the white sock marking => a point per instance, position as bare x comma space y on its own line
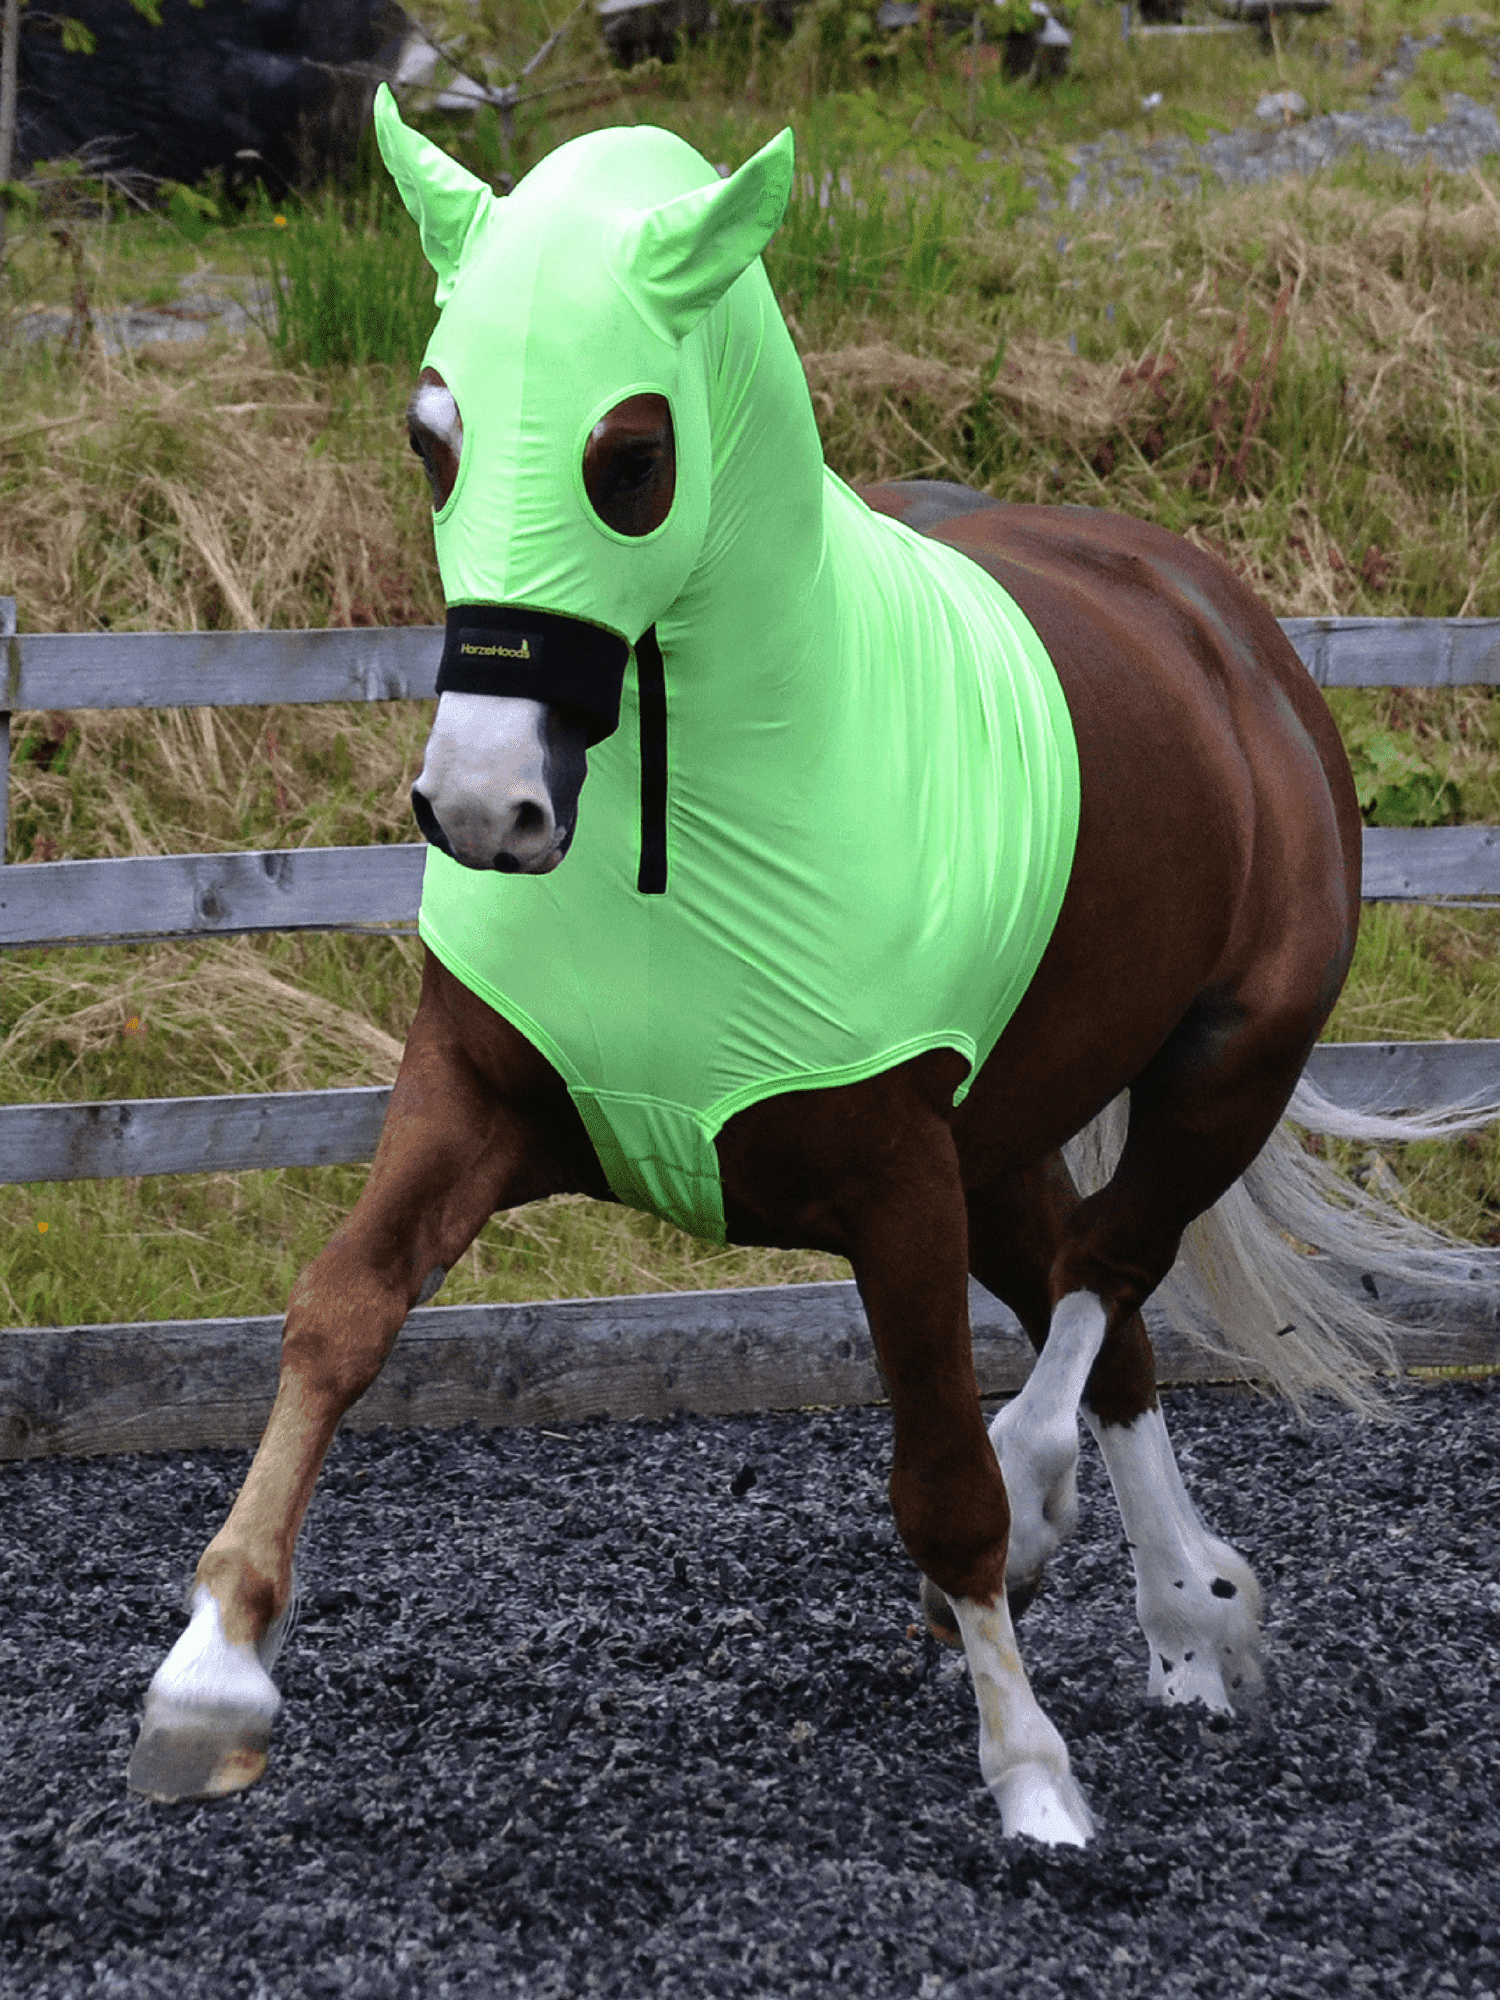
1197, 1599
1036, 1438
1022, 1757
205, 1671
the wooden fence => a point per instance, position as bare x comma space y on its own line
376, 889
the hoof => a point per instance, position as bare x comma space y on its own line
196, 1753
209, 1711
1201, 1622
1023, 1593
1043, 1803
1233, 1684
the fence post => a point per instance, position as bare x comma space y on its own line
7, 631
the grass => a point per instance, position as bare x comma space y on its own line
349, 285
1306, 382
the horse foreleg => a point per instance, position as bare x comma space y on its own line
452, 1149
908, 1245
1015, 1226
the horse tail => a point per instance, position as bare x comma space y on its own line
1289, 1278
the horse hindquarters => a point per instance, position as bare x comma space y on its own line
477, 1121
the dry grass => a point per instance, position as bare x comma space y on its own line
100, 781
1312, 388
196, 487
218, 1012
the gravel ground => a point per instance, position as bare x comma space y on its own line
643, 1709
1120, 167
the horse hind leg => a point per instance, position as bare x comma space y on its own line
1198, 1117
1196, 1598
1034, 1240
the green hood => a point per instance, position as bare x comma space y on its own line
873, 784
538, 346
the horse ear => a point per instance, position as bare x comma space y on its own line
444, 199
683, 257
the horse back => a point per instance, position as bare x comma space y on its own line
1152, 635
1219, 830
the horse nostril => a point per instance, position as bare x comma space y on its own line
427, 821
528, 820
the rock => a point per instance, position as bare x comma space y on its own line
281, 86
1280, 107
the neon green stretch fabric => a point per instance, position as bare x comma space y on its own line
873, 783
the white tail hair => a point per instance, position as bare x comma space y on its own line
1247, 1287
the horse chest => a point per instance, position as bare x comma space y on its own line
866, 867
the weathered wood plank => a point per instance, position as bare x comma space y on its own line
143, 897
1396, 1077
219, 669
319, 1128
210, 895
1431, 864
232, 669
1398, 652
189, 1135
189, 1383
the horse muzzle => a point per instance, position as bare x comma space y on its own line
522, 694
527, 841
499, 783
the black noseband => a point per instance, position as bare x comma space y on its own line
569, 664
564, 662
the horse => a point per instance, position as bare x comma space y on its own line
828, 870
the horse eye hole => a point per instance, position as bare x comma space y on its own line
630, 465
434, 431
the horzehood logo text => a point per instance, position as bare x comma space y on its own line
505, 646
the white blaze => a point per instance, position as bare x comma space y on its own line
485, 777
433, 406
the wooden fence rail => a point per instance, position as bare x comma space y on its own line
374, 889
377, 888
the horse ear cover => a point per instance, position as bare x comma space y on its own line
447, 202
684, 256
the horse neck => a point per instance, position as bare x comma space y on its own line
754, 599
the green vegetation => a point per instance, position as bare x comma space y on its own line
348, 285
1307, 382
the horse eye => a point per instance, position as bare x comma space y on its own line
631, 470
630, 465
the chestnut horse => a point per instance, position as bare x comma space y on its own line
1212, 893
